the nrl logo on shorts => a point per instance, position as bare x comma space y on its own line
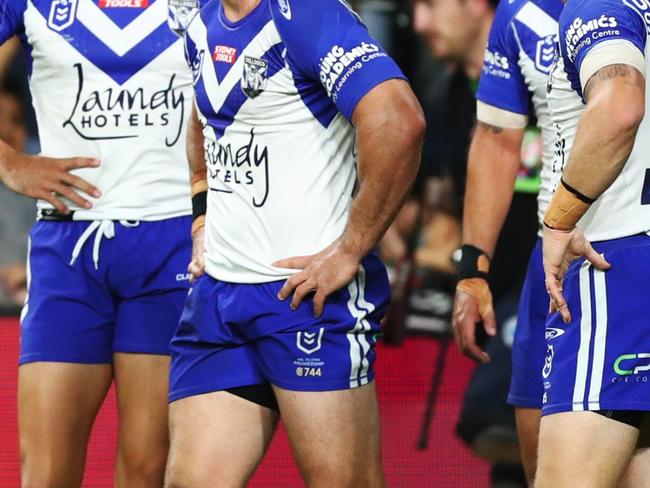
545, 55
181, 14
310, 342
62, 14
254, 79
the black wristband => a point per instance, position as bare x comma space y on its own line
468, 267
580, 196
199, 204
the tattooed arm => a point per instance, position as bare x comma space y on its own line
615, 98
494, 158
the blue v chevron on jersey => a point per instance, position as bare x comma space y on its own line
277, 104
110, 37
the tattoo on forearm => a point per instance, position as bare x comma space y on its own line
611, 72
492, 128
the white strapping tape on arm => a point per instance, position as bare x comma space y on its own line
489, 114
609, 53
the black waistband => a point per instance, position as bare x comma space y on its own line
53, 215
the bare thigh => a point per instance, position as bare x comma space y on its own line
528, 431
335, 436
217, 440
57, 405
142, 382
583, 450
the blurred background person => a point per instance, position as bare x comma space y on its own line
456, 31
16, 212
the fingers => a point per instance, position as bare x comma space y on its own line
69, 164
490, 323
72, 195
465, 317
319, 303
54, 201
196, 268
290, 285
554, 287
300, 293
296, 262
598, 260
81, 184
468, 344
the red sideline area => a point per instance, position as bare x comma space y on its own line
404, 375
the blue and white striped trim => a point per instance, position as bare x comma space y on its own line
23, 312
360, 308
596, 323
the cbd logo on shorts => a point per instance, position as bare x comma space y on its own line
62, 14
309, 342
253, 81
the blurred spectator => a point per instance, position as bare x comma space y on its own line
456, 32
16, 212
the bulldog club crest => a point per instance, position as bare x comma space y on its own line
254, 78
181, 14
62, 14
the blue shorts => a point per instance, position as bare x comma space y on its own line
601, 360
124, 292
529, 347
234, 335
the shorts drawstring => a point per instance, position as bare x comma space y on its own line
101, 229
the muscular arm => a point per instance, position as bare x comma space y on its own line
605, 137
494, 158
390, 128
7, 52
615, 98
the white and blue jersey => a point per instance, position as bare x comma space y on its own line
599, 361
594, 35
518, 59
108, 80
276, 92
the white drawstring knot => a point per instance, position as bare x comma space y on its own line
101, 229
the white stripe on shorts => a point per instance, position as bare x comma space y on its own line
23, 312
582, 364
359, 346
600, 340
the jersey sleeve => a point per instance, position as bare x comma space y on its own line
502, 86
11, 18
599, 34
328, 43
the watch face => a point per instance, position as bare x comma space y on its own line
181, 13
